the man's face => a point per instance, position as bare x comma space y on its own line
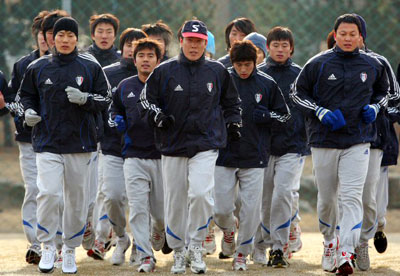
49, 38
280, 50
347, 37
146, 61
193, 47
104, 36
127, 51
160, 40
244, 68
235, 35
260, 56
41, 42
65, 42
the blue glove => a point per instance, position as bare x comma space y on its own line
119, 120
340, 122
127, 140
261, 115
370, 111
325, 116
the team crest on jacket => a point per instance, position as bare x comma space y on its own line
210, 86
258, 97
363, 76
79, 80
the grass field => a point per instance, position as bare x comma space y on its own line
305, 262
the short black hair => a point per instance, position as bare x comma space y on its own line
243, 24
243, 51
50, 19
347, 18
147, 43
107, 18
129, 35
159, 29
280, 33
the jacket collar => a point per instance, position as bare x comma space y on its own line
65, 58
249, 78
128, 64
272, 63
102, 52
182, 59
342, 53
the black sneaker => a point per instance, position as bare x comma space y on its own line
380, 241
33, 255
166, 249
223, 256
278, 260
270, 258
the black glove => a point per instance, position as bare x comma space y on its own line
163, 121
234, 131
261, 115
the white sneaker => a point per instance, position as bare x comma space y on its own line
147, 264
88, 237
157, 239
228, 245
295, 243
239, 262
33, 254
179, 266
259, 256
58, 262
329, 256
46, 264
197, 264
209, 246
362, 260
134, 258
118, 256
68, 260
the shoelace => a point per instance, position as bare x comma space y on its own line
156, 236
363, 252
329, 250
147, 260
47, 254
69, 257
179, 259
197, 254
99, 246
228, 237
241, 259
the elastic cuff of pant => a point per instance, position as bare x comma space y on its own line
49, 243
196, 243
180, 249
277, 246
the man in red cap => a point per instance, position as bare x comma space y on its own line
193, 106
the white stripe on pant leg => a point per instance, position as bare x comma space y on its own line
157, 196
250, 190
224, 192
137, 177
76, 186
369, 196
353, 167
201, 170
27, 161
287, 168
325, 163
114, 193
382, 196
50, 184
263, 235
175, 183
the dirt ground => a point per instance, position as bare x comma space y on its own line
305, 262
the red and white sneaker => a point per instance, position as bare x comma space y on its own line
228, 245
209, 246
58, 262
346, 264
88, 237
239, 262
97, 252
329, 256
295, 243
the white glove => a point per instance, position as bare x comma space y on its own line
76, 96
31, 117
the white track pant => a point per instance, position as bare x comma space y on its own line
369, 196
382, 196
114, 192
296, 197
144, 188
280, 180
250, 191
341, 171
27, 162
93, 188
188, 182
64, 175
